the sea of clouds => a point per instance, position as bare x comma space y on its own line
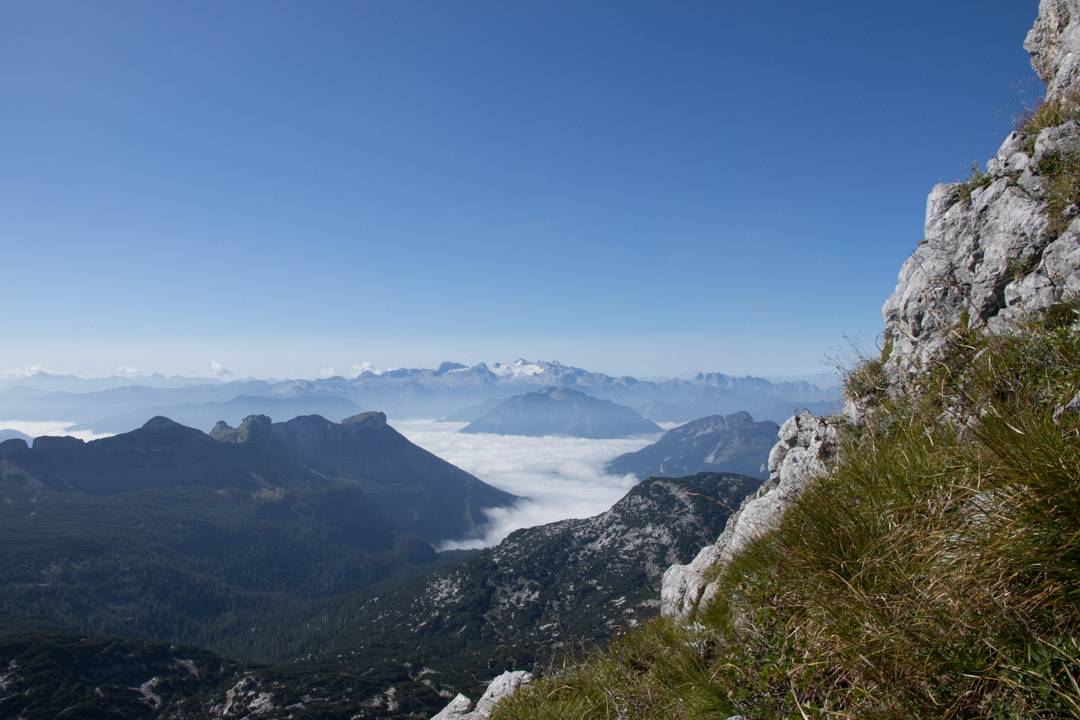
562, 477
37, 428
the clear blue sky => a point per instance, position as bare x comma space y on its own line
640, 187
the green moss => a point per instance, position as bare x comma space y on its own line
932, 573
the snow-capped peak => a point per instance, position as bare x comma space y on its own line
520, 368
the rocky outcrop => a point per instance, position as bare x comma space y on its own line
1053, 44
996, 249
988, 260
499, 688
806, 446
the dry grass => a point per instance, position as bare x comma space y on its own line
1047, 114
1063, 186
935, 573
978, 180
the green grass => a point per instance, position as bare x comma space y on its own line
1047, 114
1062, 172
934, 573
977, 181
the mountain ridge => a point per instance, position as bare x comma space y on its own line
716, 443
561, 411
405, 392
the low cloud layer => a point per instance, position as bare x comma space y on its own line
562, 477
26, 371
218, 370
37, 428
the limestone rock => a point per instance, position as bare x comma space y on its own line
806, 446
458, 708
990, 259
1070, 408
502, 686
1054, 45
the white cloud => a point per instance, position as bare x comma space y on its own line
26, 371
131, 372
562, 477
219, 370
327, 372
37, 428
366, 366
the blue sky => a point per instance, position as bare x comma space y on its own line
635, 187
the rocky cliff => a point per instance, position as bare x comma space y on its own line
1006, 244
999, 249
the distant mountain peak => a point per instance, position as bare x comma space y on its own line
366, 419
447, 366
734, 443
556, 391
556, 410
253, 426
160, 423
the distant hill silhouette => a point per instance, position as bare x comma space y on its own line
561, 411
718, 443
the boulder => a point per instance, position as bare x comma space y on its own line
502, 686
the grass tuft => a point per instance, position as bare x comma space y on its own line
1047, 114
979, 179
1062, 172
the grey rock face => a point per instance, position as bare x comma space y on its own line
501, 687
990, 259
806, 447
1053, 44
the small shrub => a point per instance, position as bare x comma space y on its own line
866, 380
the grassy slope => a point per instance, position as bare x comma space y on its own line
935, 572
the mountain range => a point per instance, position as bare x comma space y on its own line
408, 392
171, 533
402, 648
